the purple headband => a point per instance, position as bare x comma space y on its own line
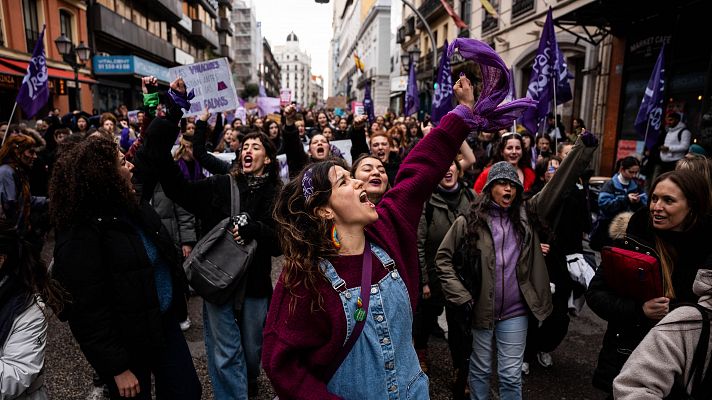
488, 114
307, 185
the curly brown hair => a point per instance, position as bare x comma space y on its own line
86, 182
304, 236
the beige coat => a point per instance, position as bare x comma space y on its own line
532, 274
665, 355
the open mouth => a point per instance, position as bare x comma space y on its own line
448, 176
658, 219
363, 198
375, 182
247, 162
320, 151
507, 199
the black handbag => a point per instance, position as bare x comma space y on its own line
217, 263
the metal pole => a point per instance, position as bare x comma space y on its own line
9, 122
556, 120
645, 140
427, 28
78, 88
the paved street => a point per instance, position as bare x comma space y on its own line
69, 375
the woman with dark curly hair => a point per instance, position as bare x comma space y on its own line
120, 267
340, 321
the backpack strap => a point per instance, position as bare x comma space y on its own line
234, 197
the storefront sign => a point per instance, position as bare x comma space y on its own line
9, 81
213, 85
627, 148
128, 65
399, 83
60, 87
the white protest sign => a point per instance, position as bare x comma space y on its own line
212, 82
285, 97
345, 147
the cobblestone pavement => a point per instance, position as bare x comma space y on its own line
69, 375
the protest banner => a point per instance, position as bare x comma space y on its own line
345, 147
213, 85
285, 97
336, 102
357, 108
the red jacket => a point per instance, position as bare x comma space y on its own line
529, 177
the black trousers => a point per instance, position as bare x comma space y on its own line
172, 368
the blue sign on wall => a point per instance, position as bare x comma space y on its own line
128, 65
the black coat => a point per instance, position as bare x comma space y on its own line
209, 200
113, 309
627, 325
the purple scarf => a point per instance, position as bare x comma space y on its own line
488, 114
197, 170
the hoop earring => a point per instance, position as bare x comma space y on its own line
335, 238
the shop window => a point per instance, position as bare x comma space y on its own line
32, 32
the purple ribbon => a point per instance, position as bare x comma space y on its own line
182, 100
488, 113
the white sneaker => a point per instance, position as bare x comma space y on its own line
525, 368
185, 325
545, 359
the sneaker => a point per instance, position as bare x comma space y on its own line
525, 368
185, 325
545, 359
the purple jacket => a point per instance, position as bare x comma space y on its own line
508, 302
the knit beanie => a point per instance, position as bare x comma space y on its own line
503, 170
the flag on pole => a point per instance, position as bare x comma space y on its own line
488, 7
650, 114
456, 18
412, 98
442, 97
262, 92
511, 95
359, 63
34, 92
368, 103
548, 69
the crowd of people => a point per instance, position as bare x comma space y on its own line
467, 217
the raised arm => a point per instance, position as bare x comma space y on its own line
211, 163
358, 137
293, 149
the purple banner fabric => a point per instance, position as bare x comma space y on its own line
443, 96
368, 103
262, 92
268, 105
34, 92
488, 113
650, 114
512, 94
549, 65
412, 98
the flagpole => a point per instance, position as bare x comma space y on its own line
9, 122
645, 139
556, 120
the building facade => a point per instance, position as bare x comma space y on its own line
316, 90
362, 27
17, 41
295, 67
247, 44
270, 72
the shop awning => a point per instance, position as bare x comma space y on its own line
21, 66
9, 71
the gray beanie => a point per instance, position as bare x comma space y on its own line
503, 170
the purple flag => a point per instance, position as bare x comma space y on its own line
262, 92
549, 65
267, 105
34, 92
368, 103
412, 99
650, 114
512, 94
442, 98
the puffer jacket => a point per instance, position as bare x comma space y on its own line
435, 221
179, 223
22, 357
627, 325
532, 275
664, 357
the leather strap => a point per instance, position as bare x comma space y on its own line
366, 273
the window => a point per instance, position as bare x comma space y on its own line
521, 7
65, 23
139, 19
490, 23
32, 33
107, 3
123, 9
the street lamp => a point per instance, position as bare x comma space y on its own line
70, 53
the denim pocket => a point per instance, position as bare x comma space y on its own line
418, 387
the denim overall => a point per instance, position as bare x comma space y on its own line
382, 363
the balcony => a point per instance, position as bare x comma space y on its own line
171, 10
410, 26
224, 25
225, 51
432, 9
211, 6
521, 7
116, 28
204, 34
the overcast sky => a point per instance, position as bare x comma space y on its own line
311, 22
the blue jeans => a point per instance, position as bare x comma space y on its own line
510, 338
252, 323
226, 358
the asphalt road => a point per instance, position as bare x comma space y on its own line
68, 375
